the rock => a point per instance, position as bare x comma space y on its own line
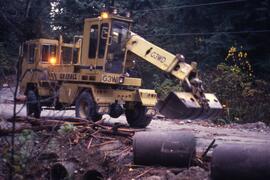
257, 126
181, 122
194, 173
170, 176
261, 125
159, 116
5, 85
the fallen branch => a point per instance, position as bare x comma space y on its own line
102, 137
118, 133
208, 148
101, 144
6, 132
89, 144
70, 119
135, 166
142, 174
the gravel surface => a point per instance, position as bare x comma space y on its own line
204, 131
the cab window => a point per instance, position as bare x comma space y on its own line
31, 50
29, 53
103, 39
116, 51
93, 41
66, 55
25, 50
47, 52
75, 55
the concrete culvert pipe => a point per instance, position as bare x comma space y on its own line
241, 161
92, 175
167, 148
62, 171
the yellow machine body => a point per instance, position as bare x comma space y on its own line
97, 66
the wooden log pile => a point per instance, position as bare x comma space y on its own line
48, 123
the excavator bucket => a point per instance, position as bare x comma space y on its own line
183, 105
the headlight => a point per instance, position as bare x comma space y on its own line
52, 60
104, 15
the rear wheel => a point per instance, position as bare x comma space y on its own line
136, 116
86, 107
32, 105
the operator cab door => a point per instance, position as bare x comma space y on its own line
104, 45
95, 44
116, 50
28, 64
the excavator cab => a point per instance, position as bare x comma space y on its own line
104, 40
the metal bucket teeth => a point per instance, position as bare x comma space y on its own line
183, 105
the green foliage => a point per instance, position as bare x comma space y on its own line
21, 20
4, 58
245, 97
246, 100
66, 129
26, 135
25, 143
68, 15
209, 48
163, 88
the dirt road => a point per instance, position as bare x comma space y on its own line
204, 131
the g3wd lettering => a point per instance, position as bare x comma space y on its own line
68, 76
110, 79
52, 76
158, 57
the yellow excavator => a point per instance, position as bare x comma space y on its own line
95, 75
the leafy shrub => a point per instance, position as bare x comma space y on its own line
246, 100
66, 129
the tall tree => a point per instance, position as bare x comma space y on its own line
21, 20
68, 15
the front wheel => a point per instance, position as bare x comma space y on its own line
136, 116
85, 107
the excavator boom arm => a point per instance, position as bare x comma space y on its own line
159, 57
193, 104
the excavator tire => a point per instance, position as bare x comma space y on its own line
85, 107
136, 117
32, 106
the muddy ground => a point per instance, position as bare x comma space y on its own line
111, 155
